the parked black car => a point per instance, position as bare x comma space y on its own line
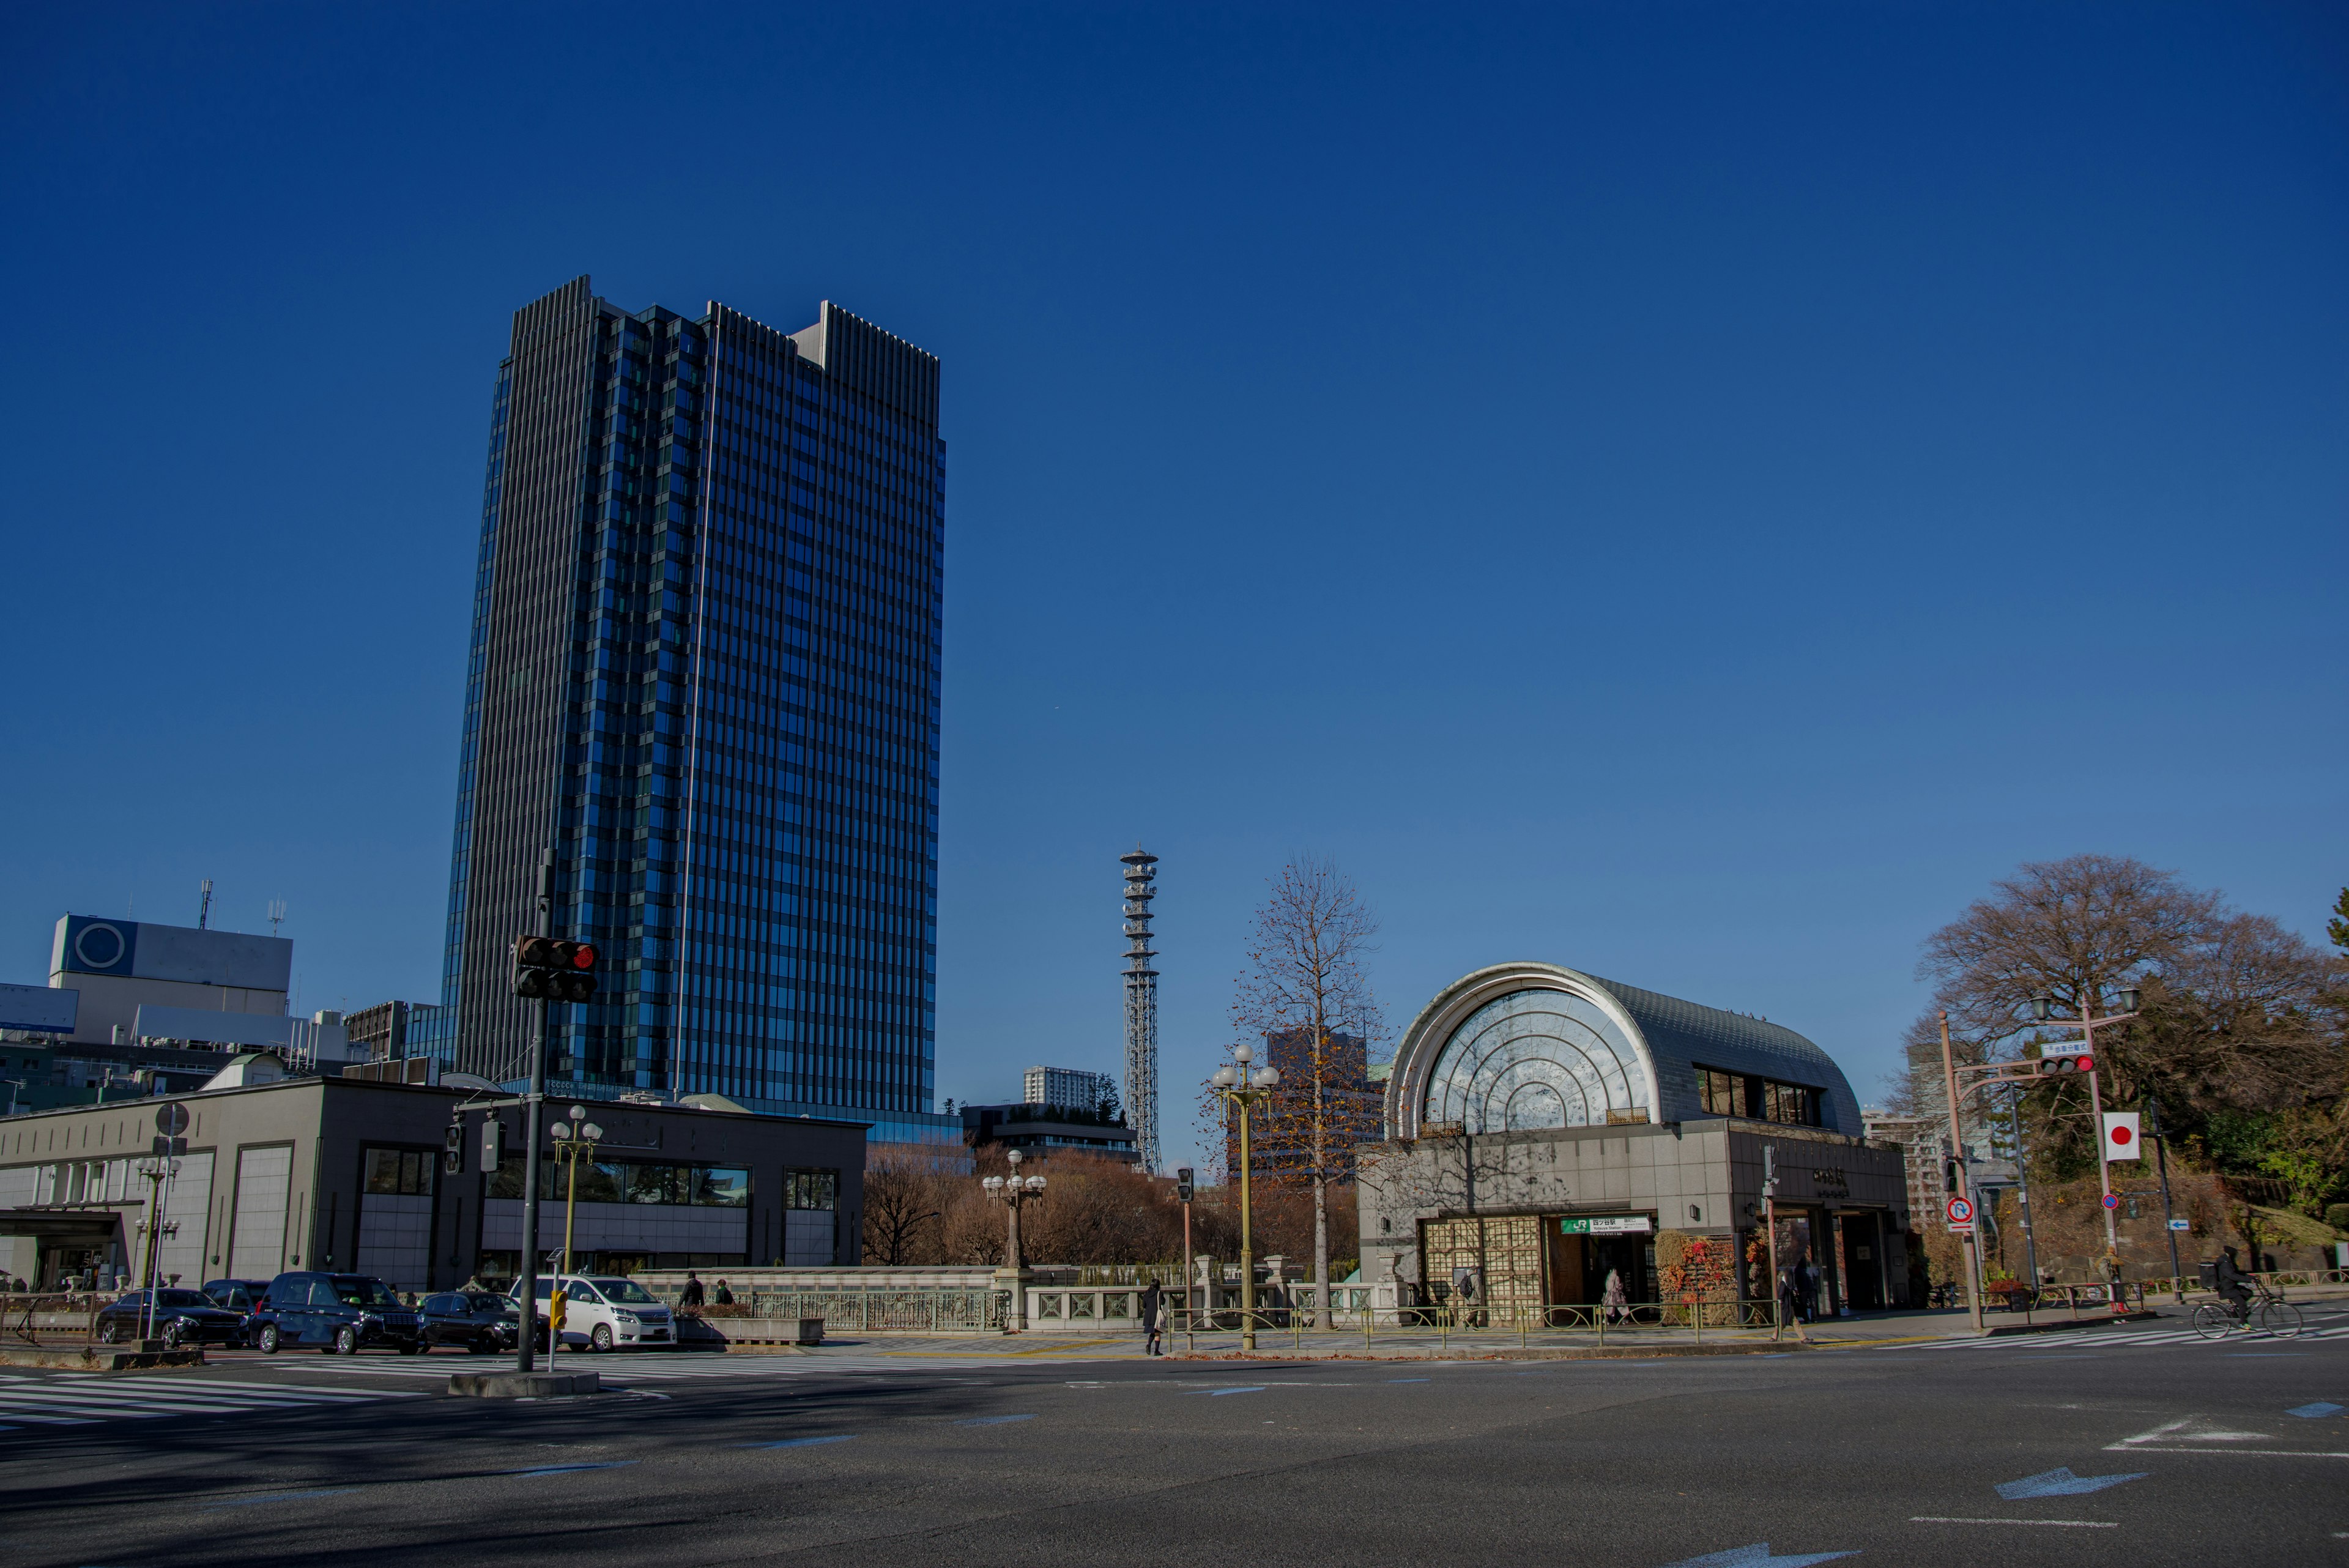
477, 1320
341, 1314
181, 1317
237, 1295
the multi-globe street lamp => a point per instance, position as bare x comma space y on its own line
1242, 1088
1014, 1191
574, 1141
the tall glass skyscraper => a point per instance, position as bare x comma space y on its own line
705, 672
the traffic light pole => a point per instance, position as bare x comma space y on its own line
534, 1114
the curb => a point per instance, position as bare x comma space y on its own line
96, 1359
522, 1384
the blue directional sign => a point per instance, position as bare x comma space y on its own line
2060, 1483
1756, 1556
2316, 1411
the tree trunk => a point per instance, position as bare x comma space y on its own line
1321, 1318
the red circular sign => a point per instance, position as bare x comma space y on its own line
2123, 1136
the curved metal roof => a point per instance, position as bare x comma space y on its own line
1672, 1037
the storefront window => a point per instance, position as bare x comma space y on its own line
400, 1172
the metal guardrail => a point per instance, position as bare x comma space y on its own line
898, 1310
20, 1312
1488, 1323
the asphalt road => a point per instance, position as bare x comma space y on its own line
2231, 1453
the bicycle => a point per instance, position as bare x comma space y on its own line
2267, 1312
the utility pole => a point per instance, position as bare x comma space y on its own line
1770, 1223
2161, 1162
2022, 1185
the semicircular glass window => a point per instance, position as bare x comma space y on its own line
1535, 1059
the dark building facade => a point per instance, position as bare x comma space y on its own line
1040, 1129
705, 670
1281, 1128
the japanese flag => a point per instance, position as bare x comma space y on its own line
2121, 1136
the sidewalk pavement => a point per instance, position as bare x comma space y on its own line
1297, 1343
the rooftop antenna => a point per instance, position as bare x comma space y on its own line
1140, 1007
276, 913
205, 909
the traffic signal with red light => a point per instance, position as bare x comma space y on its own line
546, 969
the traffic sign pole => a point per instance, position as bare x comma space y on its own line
1957, 1152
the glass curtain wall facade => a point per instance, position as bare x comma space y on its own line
705, 670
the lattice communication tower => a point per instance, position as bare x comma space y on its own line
1141, 1008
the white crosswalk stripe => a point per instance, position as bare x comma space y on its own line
80, 1399
625, 1369
2129, 1337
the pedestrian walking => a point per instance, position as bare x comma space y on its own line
690, 1299
1154, 1318
1790, 1300
1613, 1299
723, 1297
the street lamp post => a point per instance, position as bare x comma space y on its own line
1241, 1088
574, 1141
1014, 1191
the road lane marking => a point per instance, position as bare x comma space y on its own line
281, 1497
2062, 1483
800, 1442
2059, 1523
992, 1420
566, 1469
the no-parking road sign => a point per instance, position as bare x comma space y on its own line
1962, 1211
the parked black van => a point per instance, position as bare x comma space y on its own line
339, 1314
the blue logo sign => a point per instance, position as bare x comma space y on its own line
96, 946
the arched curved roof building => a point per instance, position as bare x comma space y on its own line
1523, 1046
1545, 1129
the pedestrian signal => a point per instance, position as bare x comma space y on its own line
1183, 1186
453, 1149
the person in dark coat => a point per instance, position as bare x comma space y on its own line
2234, 1284
1790, 1300
1154, 1318
724, 1296
689, 1300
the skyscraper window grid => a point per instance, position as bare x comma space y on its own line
748, 736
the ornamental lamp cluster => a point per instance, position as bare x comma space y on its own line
1228, 1078
1014, 1187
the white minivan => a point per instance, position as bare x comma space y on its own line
606, 1312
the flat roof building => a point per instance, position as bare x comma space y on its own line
120, 966
348, 1174
1545, 1128
729, 741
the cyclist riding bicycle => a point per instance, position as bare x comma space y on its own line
2234, 1286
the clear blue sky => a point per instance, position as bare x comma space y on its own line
1692, 493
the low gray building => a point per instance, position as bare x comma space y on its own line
1544, 1127
347, 1174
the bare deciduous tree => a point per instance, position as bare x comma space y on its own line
906, 1195
2238, 1011
1306, 996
